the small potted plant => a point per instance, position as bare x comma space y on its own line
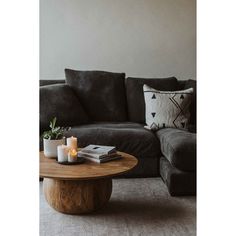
53, 138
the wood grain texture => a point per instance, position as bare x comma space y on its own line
49, 168
77, 196
79, 189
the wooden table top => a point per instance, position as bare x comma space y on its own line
49, 168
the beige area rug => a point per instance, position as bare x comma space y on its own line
137, 207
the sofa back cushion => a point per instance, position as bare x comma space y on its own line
50, 81
135, 97
60, 101
193, 107
101, 93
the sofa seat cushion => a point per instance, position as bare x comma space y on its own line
59, 100
127, 137
101, 93
135, 97
179, 147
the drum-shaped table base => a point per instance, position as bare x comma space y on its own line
77, 196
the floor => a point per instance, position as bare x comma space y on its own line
137, 207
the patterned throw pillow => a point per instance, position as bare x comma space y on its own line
167, 108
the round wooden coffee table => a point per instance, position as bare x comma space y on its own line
83, 188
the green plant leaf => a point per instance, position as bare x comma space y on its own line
55, 133
56, 129
54, 122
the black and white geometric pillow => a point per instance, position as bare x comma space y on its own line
167, 108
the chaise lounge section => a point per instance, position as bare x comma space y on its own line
178, 163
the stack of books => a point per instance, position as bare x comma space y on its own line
99, 153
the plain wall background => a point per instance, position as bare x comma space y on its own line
143, 38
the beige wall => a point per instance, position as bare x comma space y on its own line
140, 37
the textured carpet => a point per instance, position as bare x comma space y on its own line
137, 207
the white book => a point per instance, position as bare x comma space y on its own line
102, 160
96, 155
99, 149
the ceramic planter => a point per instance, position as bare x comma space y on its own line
50, 147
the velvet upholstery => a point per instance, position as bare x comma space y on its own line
193, 107
127, 137
48, 82
181, 84
179, 147
145, 168
177, 167
178, 182
101, 93
116, 125
135, 97
60, 101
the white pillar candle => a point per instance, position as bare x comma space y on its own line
62, 153
72, 155
72, 142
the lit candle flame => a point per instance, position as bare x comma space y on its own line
73, 152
